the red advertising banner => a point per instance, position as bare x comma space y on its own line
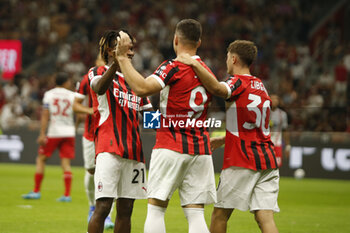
10, 58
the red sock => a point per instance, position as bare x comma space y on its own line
67, 176
38, 177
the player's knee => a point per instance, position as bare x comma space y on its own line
220, 216
103, 206
264, 218
258, 221
124, 208
41, 158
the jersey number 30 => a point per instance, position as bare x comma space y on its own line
260, 114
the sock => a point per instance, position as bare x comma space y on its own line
89, 188
196, 220
155, 219
67, 176
38, 177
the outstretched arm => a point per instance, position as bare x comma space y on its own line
141, 86
207, 79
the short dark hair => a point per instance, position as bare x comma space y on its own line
108, 40
245, 49
189, 29
61, 78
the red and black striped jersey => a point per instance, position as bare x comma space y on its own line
248, 142
83, 90
116, 117
183, 98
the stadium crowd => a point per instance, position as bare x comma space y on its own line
309, 73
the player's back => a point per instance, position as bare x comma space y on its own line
59, 102
252, 114
183, 99
185, 95
247, 125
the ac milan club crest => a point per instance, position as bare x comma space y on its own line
100, 186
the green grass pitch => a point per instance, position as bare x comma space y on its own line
308, 205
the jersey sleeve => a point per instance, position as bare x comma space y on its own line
234, 86
82, 88
164, 74
95, 73
46, 101
145, 104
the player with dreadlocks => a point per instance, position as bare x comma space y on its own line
120, 169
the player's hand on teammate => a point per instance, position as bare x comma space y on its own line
41, 139
124, 43
185, 58
216, 142
91, 111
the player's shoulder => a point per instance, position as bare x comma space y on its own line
50, 91
97, 70
168, 64
237, 80
198, 58
85, 77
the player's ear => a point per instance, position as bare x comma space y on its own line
234, 58
176, 39
199, 43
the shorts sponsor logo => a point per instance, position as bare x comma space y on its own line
100, 186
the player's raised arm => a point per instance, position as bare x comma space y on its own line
140, 85
101, 84
207, 79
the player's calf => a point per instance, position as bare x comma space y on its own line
219, 220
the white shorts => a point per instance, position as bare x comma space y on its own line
117, 177
88, 153
193, 175
245, 189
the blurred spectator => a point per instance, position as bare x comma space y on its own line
341, 74
12, 115
10, 90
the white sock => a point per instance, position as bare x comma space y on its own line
155, 219
89, 188
196, 220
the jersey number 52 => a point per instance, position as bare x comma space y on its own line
61, 106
